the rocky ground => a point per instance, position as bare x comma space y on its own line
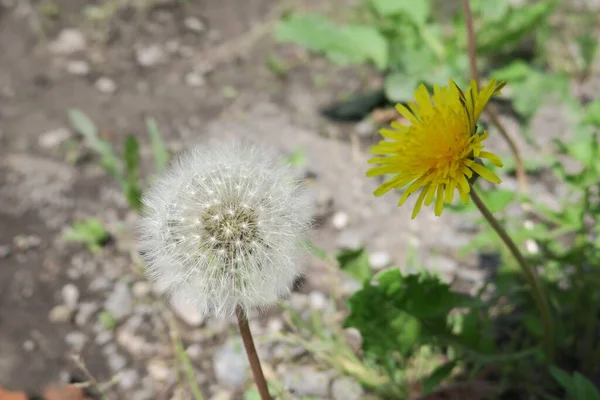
199, 69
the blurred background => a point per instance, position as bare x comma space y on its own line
95, 96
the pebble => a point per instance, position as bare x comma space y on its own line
379, 260
68, 41
29, 345
194, 351
86, 311
365, 128
5, 251
76, 340
99, 283
119, 303
307, 381
106, 85
60, 313
53, 137
116, 362
133, 344
128, 379
26, 242
194, 24
187, 312
230, 367
103, 337
317, 300
299, 302
340, 220
149, 56
353, 337
193, 79
78, 67
70, 295
159, 370
221, 395
141, 289
346, 388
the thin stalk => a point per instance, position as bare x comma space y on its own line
472, 49
530, 275
257, 372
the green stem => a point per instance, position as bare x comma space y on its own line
530, 275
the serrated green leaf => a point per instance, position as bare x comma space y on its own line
346, 44
158, 146
417, 11
355, 263
433, 381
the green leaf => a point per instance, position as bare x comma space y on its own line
592, 113
133, 192
399, 87
158, 146
417, 11
109, 161
433, 381
355, 263
107, 320
490, 10
396, 313
90, 232
584, 388
588, 46
516, 23
346, 44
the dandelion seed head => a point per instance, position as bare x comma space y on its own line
224, 227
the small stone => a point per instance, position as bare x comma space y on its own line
106, 85
186, 312
365, 128
116, 362
194, 24
103, 337
70, 295
317, 300
99, 283
76, 340
141, 289
275, 325
68, 41
29, 345
86, 311
221, 395
194, 351
285, 351
299, 302
53, 137
340, 220
159, 370
444, 265
78, 67
119, 303
353, 337
133, 344
307, 381
230, 367
346, 388
26, 242
60, 313
194, 79
379, 260
149, 56
4, 251
128, 379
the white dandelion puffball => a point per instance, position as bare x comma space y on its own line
223, 227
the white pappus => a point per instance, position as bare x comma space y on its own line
224, 227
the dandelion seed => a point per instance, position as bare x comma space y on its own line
440, 150
233, 252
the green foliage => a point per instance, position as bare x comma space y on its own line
347, 44
355, 263
107, 320
89, 232
126, 171
577, 386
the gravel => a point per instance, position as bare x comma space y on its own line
70, 295
54, 137
380, 260
187, 312
78, 67
67, 42
119, 302
346, 388
106, 85
85, 313
307, 381
76, 340
150, 56
229, 365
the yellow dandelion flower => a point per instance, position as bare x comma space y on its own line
440, 149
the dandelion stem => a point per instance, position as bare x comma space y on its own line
257, 372
490, 111
530, 274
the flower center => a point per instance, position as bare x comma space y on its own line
230, 229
